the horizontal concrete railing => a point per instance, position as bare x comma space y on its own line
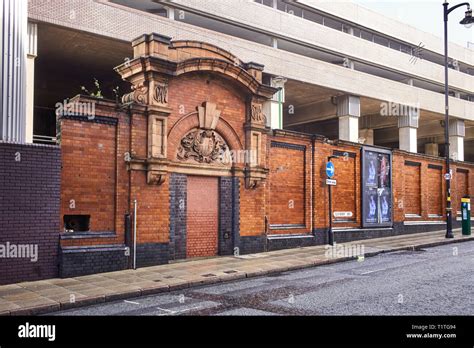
278, 23
391, 27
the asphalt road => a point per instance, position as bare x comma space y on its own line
435, 281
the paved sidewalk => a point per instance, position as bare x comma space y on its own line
51, 295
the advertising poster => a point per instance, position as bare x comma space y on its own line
385, 206
372, 211
376, 187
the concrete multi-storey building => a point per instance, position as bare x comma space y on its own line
321, 53
328, 80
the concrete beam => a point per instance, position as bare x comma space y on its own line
320, 111
377, 121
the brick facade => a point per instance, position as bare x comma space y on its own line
159, 147
29, 205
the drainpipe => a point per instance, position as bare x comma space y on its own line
280, 110
135, 234
130, 122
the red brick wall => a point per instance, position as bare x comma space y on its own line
346, 195
94, 171
153, 209
435, 195
422, 190
461, 189
202, 216
252, 210
189, 91
89, 172
290, 172
412, 189
289, 184
95, 175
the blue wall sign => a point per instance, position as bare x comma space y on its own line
330, 170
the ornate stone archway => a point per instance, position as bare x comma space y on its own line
158, 60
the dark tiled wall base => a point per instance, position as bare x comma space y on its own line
229, 215
398, 229
288, 243
178, 204
152, 254
77, 262
252, 244
29, 209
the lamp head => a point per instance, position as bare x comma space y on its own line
468, 20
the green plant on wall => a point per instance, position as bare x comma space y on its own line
98, 90
97, 93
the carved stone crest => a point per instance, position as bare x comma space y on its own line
203, 146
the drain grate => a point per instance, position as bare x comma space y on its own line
230, 272
208, 275
169, 277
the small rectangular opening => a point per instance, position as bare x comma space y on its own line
77, 223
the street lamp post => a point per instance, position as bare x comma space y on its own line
467, 21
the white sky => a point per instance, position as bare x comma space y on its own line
426, 15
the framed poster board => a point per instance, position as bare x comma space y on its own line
376, 170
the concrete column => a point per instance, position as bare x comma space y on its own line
13, 36
409, 82
32, 52
367, 135
273, 109
432, 149
348, 112
274, 42
170, 12
457, 131
408, 126
348, 63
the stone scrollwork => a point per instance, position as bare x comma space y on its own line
138, 95
251, 183
155, 178
203, 146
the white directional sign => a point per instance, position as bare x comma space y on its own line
331, 182
343, 214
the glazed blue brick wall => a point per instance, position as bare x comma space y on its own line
178, 204
29, 209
